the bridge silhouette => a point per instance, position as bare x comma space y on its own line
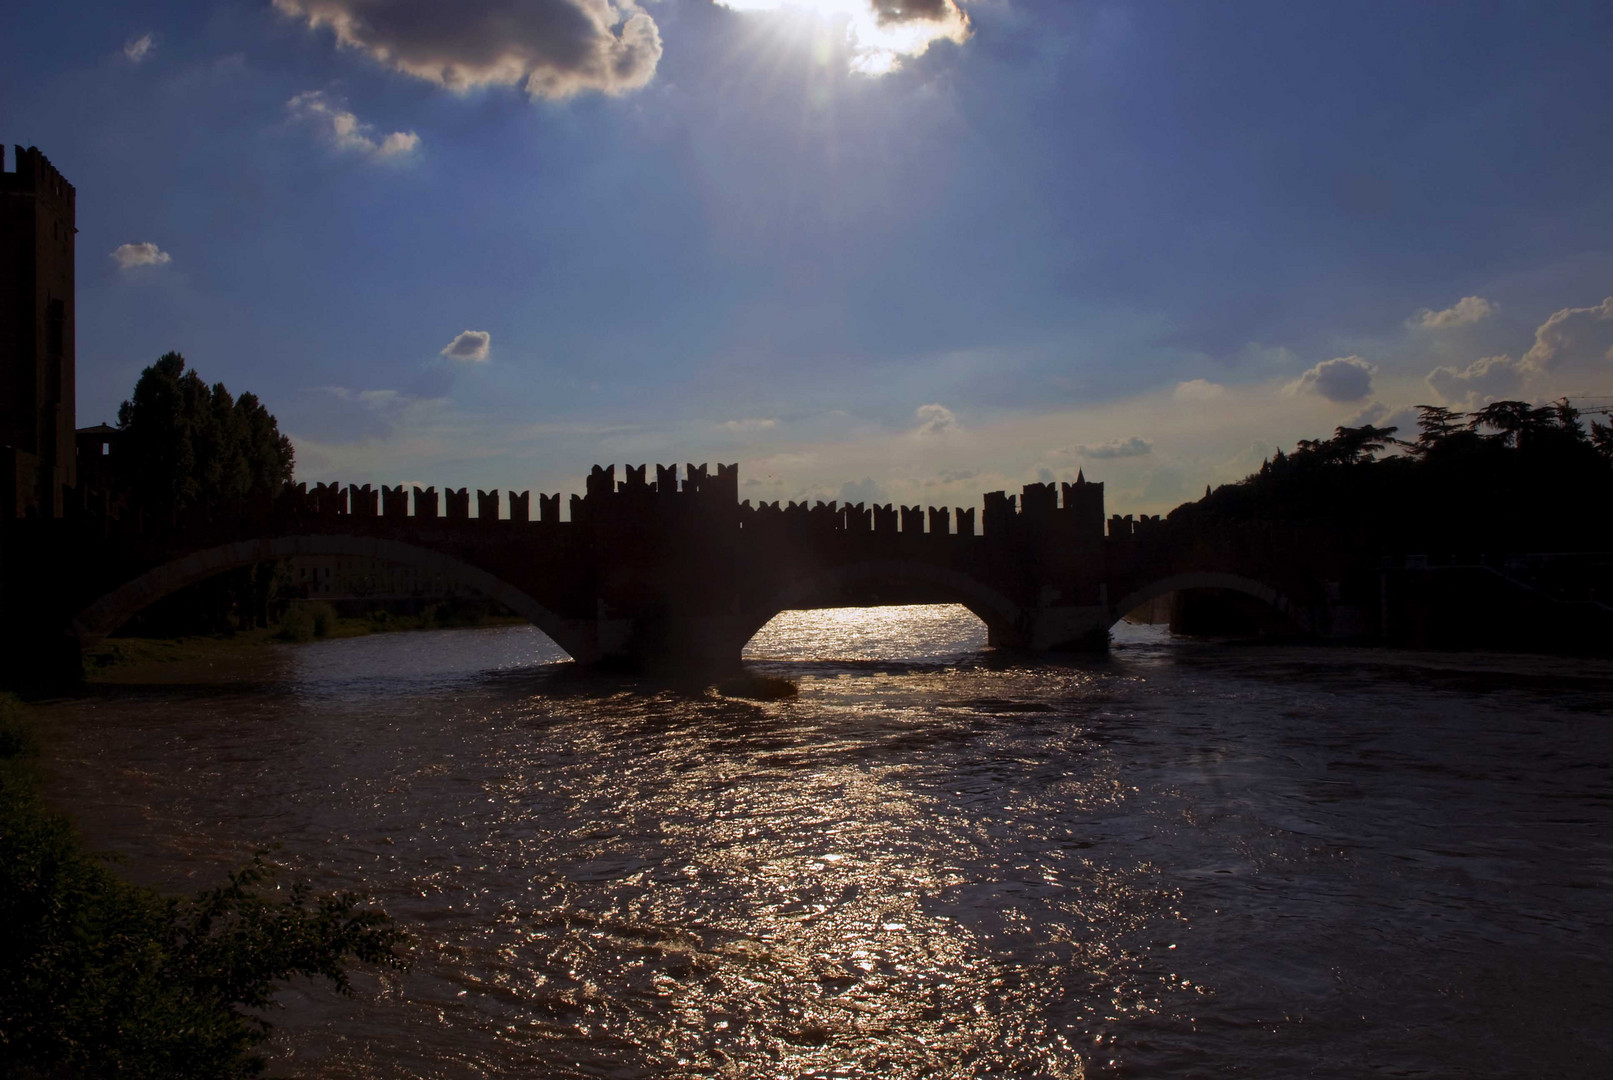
676, 573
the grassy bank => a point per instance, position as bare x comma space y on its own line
117, 658
101, 978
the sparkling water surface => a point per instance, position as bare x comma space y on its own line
1183, 859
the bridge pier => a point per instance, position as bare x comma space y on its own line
1072, 628
673, 644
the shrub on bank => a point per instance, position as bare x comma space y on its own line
307, 621
99, 977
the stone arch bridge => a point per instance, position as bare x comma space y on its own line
677, 574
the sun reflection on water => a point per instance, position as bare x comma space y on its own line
936, 861
928, 632
899, 873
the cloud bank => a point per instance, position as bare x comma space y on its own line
1136, 446
1490, 378
469, 347
130, 256
1198, 390
1573, 343
1574, 339
1469, 309
551, 48
347, 131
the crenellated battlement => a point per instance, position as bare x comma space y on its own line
703, 497
30, 172
1039, 509
678, 570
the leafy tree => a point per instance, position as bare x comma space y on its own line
1567, 417
1436, 423
1349, 445
187, 444
101, 978
1602, 438
1514, 422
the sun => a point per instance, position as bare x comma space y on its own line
878, 46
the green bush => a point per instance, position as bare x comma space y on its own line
296, 624
324, 617
305, 621
99, 977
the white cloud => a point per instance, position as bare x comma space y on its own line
1491, 378
1343, 378
130, 256
1198, 390
934, 420
1573, 339
347, 131
137, 49
553, 48
469, 347
749, 426
1136, 446
1469, 309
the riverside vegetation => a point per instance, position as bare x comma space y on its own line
102, 978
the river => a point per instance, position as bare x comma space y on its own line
1182, 859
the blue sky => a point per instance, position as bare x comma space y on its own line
975, 243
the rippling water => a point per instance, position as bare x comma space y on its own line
1180, 860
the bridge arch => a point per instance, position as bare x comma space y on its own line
929, 583
106, 614
1212, 579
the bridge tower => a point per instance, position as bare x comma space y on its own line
37, 448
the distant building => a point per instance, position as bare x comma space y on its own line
363, 584
97, 457
37, 452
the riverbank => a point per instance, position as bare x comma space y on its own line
136, 659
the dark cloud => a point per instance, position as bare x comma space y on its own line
554, 48
1343, 378
469, 347
1136, 446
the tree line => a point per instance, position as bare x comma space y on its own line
1508, 475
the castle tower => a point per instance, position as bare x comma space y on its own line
1083, 501
37, 449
